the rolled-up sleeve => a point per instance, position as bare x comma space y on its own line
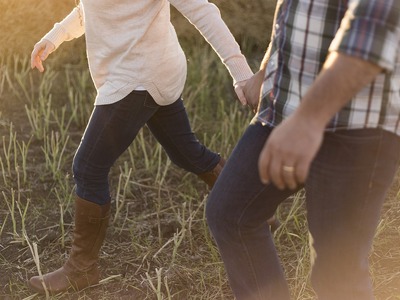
370, 30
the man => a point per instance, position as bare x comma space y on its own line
328, 121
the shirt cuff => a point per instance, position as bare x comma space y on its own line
57, 35
239, 69
368, 40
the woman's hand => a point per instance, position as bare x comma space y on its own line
40, 53
239, 91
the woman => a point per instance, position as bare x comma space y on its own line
139, 71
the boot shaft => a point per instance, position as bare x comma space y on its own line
211, 177
91, 222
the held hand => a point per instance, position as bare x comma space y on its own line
287, 155
252, 89
239, 91
40, 53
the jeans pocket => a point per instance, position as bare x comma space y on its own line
364, 134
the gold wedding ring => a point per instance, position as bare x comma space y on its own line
288, 169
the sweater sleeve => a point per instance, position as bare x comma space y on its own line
207, 19
71, 27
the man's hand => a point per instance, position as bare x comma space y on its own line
40, 53
252, 89
287, 155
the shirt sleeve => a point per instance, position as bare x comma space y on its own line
370, 30
71, 27
207, 19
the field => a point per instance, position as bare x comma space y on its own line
158, 245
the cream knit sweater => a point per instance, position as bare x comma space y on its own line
132, 44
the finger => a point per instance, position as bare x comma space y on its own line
242, 100
276, 173
240, 95
263, 166
254, 108
38, 64
289, 175
34, 54
32, 63
302, 170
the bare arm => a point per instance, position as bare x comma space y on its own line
296, 140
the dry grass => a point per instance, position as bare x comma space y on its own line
158, 245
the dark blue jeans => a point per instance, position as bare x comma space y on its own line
345, 191
112, 128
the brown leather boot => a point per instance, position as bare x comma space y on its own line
80, 270
211, 177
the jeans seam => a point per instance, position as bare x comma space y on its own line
373, 170
380, 148
244, 244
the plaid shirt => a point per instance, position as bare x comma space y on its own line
303, 34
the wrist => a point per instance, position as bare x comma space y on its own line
316, 120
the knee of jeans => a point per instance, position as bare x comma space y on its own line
78, 173
84, 175
221, 224
91, 184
